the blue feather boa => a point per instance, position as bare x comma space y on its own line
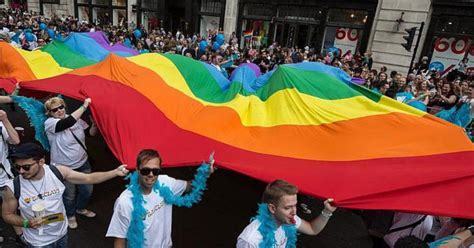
35, 111
135, 235
268, 228
442, 241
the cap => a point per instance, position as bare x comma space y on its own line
27, 150
424, 58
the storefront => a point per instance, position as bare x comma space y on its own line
101, 11
322, 25
211, 16
450, 37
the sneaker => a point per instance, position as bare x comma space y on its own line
85, 212
72, 222
1, 239
304, 208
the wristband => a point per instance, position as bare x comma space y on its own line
26, 223
326, 214
84, 107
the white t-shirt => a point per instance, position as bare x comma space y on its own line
65, 150
3, 156
158, 219
52, 190
251, 237
404, 219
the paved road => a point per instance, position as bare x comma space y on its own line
227, 206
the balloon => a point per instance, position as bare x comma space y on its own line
43, 26
216, 45
202, 45
334, 50
127, 43
137, 33
51, 33
220, 39
29, 37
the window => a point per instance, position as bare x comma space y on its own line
101, 15
211, 6
51, 1
100, 2
301, 13
119, 2
120, 17
455, 25
83, 14
150, 4
347, 16
258, 9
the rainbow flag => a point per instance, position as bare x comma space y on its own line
248, 34
305, 123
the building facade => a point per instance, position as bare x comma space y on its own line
346, 25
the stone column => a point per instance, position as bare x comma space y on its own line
230, 17
386, 39
34, 5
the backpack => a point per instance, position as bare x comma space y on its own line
16, 180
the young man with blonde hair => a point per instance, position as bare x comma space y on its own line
277, 223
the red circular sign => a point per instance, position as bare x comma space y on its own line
459, 46
340, 34
352, 34
441, 44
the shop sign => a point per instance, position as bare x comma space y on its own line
448, 52
346, 40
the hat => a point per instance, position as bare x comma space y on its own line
424, 58
27, 150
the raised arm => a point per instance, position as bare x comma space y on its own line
13, 137
6, 99
78, 113
317, 224
92, 178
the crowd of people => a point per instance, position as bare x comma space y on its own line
143, 212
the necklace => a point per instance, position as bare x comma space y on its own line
41, 188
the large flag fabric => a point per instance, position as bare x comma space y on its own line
305, 123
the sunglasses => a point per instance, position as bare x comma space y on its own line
25, 167
54, 110
146, 171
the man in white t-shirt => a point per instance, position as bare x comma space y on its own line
37, 194
158, 219
280, 197
406, 224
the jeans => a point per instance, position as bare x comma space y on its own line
61, 243
76, 196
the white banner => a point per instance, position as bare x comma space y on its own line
209, 22
447, 54
346, 40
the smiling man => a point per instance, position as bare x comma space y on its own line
154, 228
277, 222
40, 187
